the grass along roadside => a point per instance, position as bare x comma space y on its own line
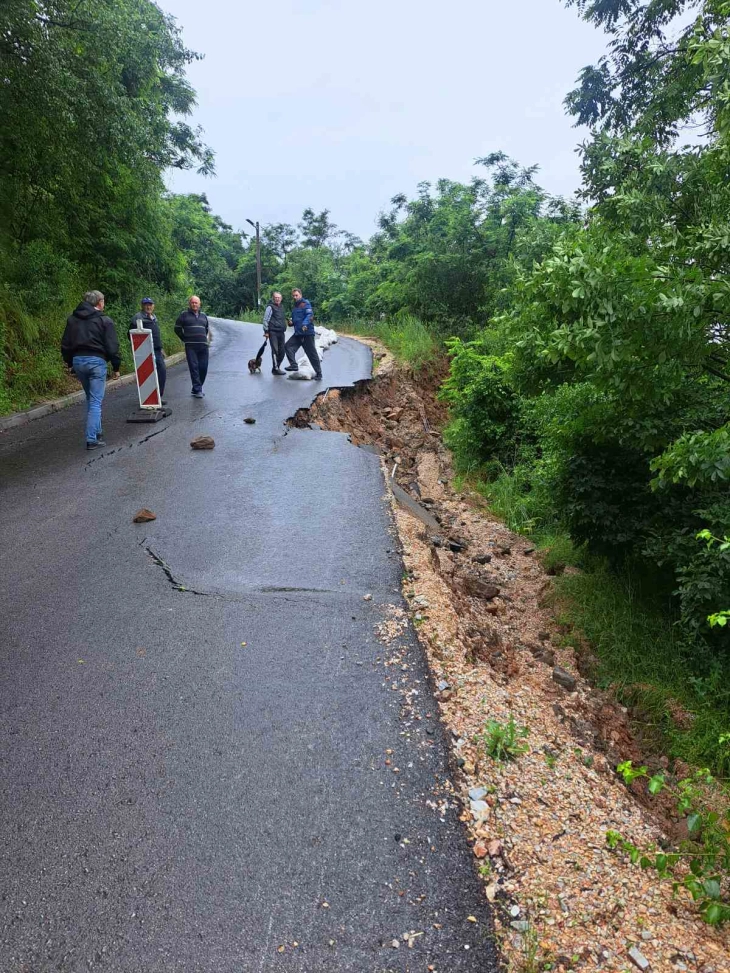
679, 695
679, 700
404, 335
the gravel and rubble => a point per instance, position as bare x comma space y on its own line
479, 598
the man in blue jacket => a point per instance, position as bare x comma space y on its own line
302, 318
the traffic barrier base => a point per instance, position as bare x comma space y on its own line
149, 415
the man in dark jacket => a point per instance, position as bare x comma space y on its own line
88, 343
146, 318
274, 330
302, 317
192, 329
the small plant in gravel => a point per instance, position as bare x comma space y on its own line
533, 958
702, 863
504, 741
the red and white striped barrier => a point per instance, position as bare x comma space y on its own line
144, 368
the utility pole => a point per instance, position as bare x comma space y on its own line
258, 261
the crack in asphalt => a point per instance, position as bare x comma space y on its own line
110, 452
264, 589
274, 589
177, 585
155, 433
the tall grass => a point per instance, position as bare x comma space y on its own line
680, 694
252, 317
679, 691
410, 340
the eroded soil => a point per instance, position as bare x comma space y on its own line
481, 602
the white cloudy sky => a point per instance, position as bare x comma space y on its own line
343, 104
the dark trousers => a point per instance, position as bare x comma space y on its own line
161, 371
305, 341
197, 356
277, 339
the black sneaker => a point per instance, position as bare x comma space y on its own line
97, 445
291, 368
163, 401
318, 378
276, 371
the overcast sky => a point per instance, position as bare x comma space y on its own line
341, 105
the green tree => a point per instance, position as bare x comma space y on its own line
316, 228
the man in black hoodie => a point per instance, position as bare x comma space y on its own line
88, 343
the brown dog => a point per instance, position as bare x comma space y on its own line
254, 364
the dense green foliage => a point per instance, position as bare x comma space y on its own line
611, 388
443, 256
602, 387
93, 97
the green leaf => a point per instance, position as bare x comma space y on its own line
713, 914
712, 888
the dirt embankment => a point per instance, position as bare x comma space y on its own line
480, 600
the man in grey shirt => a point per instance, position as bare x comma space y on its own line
275, 331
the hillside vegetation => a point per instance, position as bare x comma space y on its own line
93, 108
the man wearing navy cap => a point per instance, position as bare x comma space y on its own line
146, 318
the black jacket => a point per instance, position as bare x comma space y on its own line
140, 320
89, 332
192, 330
274, 318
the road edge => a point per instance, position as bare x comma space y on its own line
16, 419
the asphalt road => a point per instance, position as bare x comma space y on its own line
171, 798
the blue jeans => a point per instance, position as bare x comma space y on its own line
197, 356
91, 372
161, 371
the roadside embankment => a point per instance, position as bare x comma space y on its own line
535, 746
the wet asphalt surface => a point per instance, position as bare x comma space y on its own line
174, 800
